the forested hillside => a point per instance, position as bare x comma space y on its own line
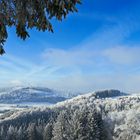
85, 117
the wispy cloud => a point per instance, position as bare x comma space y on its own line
103, 60
124, 55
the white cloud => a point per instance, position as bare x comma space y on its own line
94, 82
123, 55
16, 83
111, 67
73, 57
99, 62
119, 57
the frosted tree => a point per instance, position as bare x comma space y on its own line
39, 132
32, 132
85, 124
21, 134
12, 133
59, 130
47, 134
2, 133
96, 127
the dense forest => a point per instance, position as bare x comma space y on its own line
85, 117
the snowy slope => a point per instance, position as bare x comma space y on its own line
29, 94
120, 114
40, 94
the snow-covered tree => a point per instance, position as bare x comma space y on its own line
47, 134
59, 130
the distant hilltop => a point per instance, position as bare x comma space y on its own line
47, 95
109, 93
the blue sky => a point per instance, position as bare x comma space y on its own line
96, 48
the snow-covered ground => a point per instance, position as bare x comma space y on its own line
119, 114
15, 107
19, 98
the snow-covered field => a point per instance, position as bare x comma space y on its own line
15, 107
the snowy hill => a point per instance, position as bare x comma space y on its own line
109, 93
29, 94
40, 94
83, 117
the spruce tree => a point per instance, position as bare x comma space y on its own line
59, 130
28, 14
47, 134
